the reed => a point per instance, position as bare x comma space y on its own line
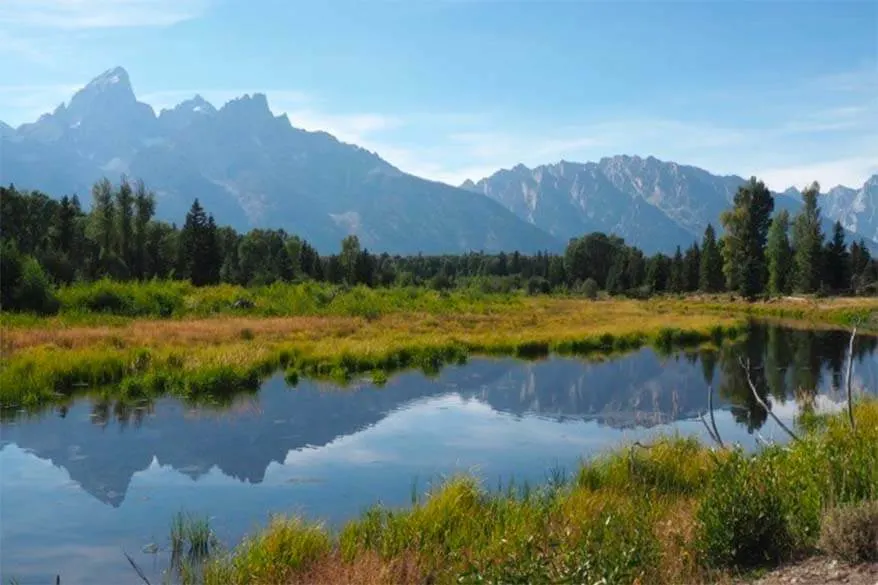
675, 511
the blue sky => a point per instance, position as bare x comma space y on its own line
450, 90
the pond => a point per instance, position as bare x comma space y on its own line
83, 483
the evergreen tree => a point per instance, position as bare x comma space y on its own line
199, 255
746, 227
861, 259
677, 280
557, 272
779, 254
657, 273
808, 243
710, 277
692, 267
837, 260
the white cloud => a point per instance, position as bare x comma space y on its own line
354, 128
26, 103
850, 172
90, 14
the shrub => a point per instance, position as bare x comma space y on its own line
741, 521
34, 291
851, 532
590, 288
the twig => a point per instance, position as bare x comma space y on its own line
849, 378
762, 403
712, 418
136, 568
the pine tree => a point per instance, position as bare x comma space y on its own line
860, 261
837, 260
199, 254
692, 267
808, 243
779, 254
677, 282
746, 227
710, 278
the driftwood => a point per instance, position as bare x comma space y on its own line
711, 429
850, 377
746, 367
136, 568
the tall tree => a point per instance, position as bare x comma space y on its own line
808, 242
677, 283
837, 260
746, 227
124, 196
710, 278
103, 216
779, 254
199, 255
692, 267
144, 209
350, 251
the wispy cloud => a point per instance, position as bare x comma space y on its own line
25, 103
90, 14
849, 172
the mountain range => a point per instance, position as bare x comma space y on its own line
251, 168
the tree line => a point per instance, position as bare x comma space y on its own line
46, 242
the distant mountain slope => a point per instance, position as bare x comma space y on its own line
653, 204
253, 169
250, 169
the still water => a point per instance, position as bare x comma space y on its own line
82, 484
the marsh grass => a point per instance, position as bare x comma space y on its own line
676, 512
221, 356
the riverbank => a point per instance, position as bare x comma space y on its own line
202, 353
673, 511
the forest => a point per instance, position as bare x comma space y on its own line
48, 242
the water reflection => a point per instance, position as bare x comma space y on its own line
97, 475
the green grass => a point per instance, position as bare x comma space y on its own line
50, 374
672, 512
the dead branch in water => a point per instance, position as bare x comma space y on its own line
746, 367
849, 378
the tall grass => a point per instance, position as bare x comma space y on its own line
671, 512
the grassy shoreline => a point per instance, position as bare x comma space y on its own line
206, 348
674, 511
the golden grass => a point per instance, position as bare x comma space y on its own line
548, 319
39, 357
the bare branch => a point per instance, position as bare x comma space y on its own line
712, 418
136, 568
850, 377
746, 367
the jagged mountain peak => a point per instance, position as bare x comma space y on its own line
248, 104
117, 76
252, 169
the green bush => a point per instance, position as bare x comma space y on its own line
851, 532
590, 289
741, 520
34, 291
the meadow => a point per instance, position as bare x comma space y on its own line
674, 511
141, 340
